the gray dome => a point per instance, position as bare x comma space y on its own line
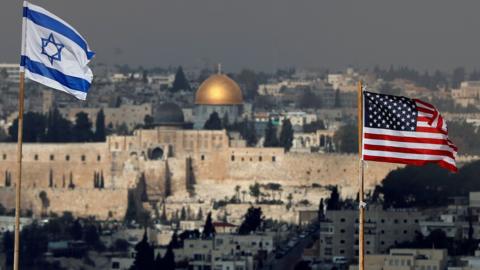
168, 114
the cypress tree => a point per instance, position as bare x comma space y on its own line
169, 259
286, 135
208, 229
213, 122
144, 258
100, 127
271, 139
180, 82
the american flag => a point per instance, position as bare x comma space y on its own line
402, 130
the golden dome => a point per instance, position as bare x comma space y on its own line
219, 89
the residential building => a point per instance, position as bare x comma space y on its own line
468, 94
383, 229
12, 72
407, 259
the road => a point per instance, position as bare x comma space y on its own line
294, 255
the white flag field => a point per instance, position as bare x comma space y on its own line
54, 53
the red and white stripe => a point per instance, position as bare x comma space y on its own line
428, 144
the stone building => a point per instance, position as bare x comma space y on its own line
383, 229
407, 259
130, 115
468, 94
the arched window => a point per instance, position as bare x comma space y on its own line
156, 154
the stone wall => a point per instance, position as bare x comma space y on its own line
272, 164
103, 203
56, 165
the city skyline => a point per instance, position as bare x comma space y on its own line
267, 35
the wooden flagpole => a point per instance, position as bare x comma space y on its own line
18, 187
21, 95
361, 219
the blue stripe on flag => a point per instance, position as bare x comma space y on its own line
57, 26
71, 82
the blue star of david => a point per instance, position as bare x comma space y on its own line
59, 46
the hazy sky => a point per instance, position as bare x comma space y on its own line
264, 34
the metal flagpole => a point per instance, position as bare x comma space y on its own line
361, 220
19, 171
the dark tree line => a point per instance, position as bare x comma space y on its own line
55, 128
246, 127
426, 186
145, 256
346, 138
34, 239
252, 222
180, 82
285, 139
435, 81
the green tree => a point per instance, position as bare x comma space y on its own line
248, 79
76, 230
121, 245
59, 129
100, 127
286, 135
183, 213
213, 122
458, 76
253, 219
122, 129
168, 261
208, 228
144, 257
45, 202
333, 203
180, 82
313, 126
255, 191
321, 210
346, 139
271, 139
92, 237
34, 128
82, 129
8, 243
308, 99
131, 212
163, 216
148, 122
199, 214
290, 201
302, 265
225, 121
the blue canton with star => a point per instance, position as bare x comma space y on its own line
52, 56
390, 112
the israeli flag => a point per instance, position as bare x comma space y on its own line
54, 53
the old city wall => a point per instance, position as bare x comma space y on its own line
264, 164
104, 203
56, 165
